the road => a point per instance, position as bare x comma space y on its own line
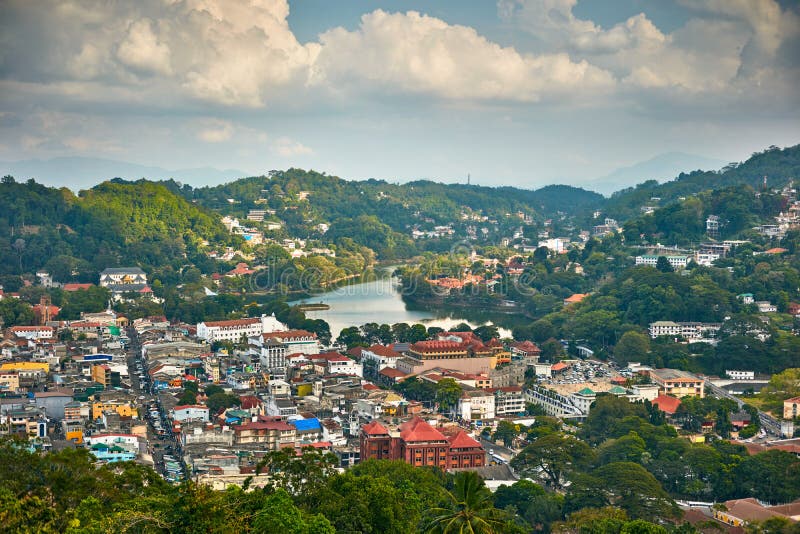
768, 423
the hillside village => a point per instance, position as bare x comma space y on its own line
204, 373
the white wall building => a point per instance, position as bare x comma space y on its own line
476, 404
234, 329
677, 262
189, 412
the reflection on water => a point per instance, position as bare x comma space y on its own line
379, 302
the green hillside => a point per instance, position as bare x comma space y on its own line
113, 224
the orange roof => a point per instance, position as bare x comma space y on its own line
416, 429
234, 322
560, 366
374, 428
667, 404
462, 440
776, 250
76, 287
391, 372
381, 350
437, 346
577, 297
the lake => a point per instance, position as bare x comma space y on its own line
379, 301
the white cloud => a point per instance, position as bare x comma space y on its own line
414, 53
215, 131
725, 53
142, 50
285, 147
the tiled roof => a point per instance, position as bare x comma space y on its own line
374, 428
462, 440
391, 372
437, 346
667, 404
380, 350
417, 429
234, 322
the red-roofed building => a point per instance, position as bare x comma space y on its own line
241, 269
559, 367
417, 443
333, 363
776, 250
76, 287
527, 350
391, 376
667, 404
575, 298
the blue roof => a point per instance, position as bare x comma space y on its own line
306, 424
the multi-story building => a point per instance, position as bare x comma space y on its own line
686, 330
509, 401
678, 383
380, 357
676, 262
123, 408
235, 330
466, 355
189, 412
9, 381
476, 404
791, 408
333, 363
32, 332
526, 350
274, 434
417, 443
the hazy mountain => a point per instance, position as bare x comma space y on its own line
661, 168
82, 173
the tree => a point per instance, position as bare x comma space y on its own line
552, 350
507, 431
487, 332
663, 265
448, 391
632, 346
469, 509
553, 458
630, 487
220, 401
351, 337
279, 514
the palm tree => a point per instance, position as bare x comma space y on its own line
471, 509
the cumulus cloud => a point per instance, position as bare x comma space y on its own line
215, 131
410, 52
140, 50
731, 50
285, 147
243, 53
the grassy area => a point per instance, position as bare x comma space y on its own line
761, 404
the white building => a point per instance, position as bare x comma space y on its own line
32, 332
381, 356
677, 262
476, 404
740, 375
686, 330
337, 364
234, 329
189, 412
766, 307
508, 401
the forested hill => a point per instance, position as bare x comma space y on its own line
778, 165
393, 203
112, 224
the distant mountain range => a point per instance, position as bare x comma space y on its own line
661, 168
83, 173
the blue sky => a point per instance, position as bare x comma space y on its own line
522, 92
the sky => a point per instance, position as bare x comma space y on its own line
513, 92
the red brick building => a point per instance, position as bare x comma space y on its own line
418, 443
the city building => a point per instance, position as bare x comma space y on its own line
235, 330
678, 383
417, 443
791, 408
677, 262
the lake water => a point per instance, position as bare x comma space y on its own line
380, 302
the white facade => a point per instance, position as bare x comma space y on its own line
476, 405
190, 412
122, 276
740, 375
33, 332
344, 366
509, 401
383, 357
234, 329
689, 330
766, 307
677, 262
